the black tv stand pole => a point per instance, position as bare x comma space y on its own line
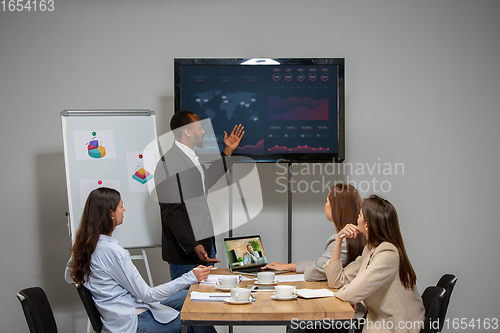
230, 181
289, 212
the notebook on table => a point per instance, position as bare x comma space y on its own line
246, 255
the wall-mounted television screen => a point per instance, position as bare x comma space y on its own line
292, 108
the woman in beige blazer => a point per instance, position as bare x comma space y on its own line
382, 276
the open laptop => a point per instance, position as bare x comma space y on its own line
246, 255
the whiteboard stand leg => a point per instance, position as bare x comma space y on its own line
150, 277
89, 326
69, 225
144, 257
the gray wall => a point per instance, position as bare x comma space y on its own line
422, 89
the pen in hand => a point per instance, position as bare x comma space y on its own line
343, 235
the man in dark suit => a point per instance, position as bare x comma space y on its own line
182, 184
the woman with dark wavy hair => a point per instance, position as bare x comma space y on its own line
342, 207
124, 300
382, 276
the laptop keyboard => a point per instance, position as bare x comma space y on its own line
251, 270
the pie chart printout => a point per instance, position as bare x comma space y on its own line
95, 149
95, 144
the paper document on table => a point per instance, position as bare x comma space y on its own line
199, 296
212, 279
290, 278
314, 293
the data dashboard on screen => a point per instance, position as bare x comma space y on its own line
292, 109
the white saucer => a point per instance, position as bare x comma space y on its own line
266, 283
229, 301
223, 289
283, 298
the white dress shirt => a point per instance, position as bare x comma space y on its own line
118, 289
194, 158
251, 258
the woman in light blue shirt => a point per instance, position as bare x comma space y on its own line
126, 303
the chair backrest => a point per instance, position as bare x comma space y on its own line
433, 299
447, 282
90, 307
37, 310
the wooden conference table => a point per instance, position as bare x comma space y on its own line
264, 311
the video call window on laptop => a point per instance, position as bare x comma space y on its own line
246, 254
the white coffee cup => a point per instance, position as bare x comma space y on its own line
284, 291
240, 294
265, 277
227, 282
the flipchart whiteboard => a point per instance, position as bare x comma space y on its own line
116, 149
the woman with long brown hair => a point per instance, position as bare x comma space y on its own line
124, 300
382, 276
342, 207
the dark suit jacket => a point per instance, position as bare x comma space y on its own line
185, 217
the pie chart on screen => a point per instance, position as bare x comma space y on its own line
95, 150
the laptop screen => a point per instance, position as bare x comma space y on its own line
246, 251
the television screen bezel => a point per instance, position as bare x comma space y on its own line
286, 158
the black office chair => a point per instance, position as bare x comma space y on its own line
37, 310
433, 299
90, 307
447, 282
